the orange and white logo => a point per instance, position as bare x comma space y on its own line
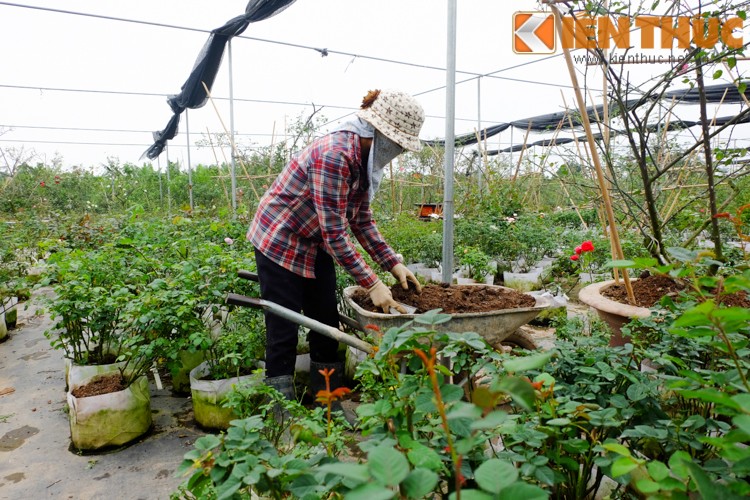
534, 33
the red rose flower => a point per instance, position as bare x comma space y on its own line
42, 184
587, 246
579, 249
575, 257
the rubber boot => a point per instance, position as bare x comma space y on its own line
285, 385
318, 383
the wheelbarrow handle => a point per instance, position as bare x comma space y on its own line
351, 323
247, 275
300, 319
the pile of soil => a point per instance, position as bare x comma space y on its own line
452, 298
101, 385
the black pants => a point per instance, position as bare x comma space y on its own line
316, 298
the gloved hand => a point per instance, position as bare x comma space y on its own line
382, 298
403, 275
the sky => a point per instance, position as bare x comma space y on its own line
86, 90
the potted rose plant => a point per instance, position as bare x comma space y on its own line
93, 291
232, 358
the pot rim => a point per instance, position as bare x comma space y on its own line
591, 296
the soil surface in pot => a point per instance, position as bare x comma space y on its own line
101, 385
650, 289
452, 298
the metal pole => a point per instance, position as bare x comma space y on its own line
169, 182
189, 164
480, 146
231, 130
450, 133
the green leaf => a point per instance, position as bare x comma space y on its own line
617, 448
531, 362
683, 254
657, 470
519, 389
711, 396
709, 490
622, 466
424, 456
492, 420
717, 74
208, 442
647, 486
525, 491
387, 465
419, 483
559, 422
304, 485
545, 475
358, 472
743, 423
370, 491
495, 474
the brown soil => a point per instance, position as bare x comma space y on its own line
452, 298
648, 290
102, 385
737, 299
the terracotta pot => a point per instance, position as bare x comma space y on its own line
614, 313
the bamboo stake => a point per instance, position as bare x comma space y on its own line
393, 190
594, 154
270, 150
520, 156
216, 159
231, 138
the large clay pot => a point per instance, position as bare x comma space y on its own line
614, 313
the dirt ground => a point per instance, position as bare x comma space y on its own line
453, 298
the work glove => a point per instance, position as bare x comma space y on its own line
382, 298
404, 275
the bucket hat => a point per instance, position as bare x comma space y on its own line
397, 115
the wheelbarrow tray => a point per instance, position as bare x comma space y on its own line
493, 326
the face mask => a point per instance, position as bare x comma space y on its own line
383, 152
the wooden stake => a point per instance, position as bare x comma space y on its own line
594, 155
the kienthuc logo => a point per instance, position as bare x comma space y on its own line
534, 33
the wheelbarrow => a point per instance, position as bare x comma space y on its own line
497, 327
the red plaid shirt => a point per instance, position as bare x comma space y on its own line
310, 205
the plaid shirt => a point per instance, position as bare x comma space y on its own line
310, 205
